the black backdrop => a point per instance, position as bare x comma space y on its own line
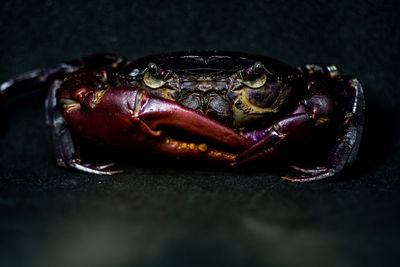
168, 213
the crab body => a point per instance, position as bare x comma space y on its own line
219, 106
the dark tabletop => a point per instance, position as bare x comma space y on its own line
177, 213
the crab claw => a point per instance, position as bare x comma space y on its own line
131, 117
180, 126
159, 112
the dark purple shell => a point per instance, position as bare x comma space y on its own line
210, 61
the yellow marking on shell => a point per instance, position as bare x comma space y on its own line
323, 120
168, 141
192, 146
164, 91
247, 112
203, 147
97, 96
176, 144
184, 145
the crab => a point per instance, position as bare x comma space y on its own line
219, 106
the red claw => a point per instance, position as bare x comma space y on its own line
159, 112
125, 116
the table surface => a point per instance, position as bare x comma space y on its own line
164, 212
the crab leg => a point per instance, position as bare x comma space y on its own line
44, 77
345, 151
65, 150
309, 117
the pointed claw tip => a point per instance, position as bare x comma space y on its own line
105, 166
110, 173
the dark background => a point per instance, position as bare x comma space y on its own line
174, 213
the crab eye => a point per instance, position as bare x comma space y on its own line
258, 68
254, 76
152, 78
152, 68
